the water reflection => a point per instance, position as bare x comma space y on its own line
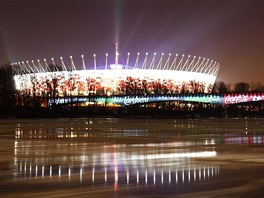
108, 154
186, 132
107, 151
78, 153
117, 174
111, 166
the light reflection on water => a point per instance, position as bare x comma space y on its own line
123, 152
116, 164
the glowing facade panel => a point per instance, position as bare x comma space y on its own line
114, 82
150, 76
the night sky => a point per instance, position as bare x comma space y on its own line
229, 32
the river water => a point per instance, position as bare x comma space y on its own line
109, 157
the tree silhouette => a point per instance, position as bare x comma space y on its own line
7, 86
241, 87
220, 88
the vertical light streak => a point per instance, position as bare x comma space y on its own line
194, 174
36, 171
137, 177
154, 176
162, 177
105, 175
43, 171
59, 171
116, 174
146, 176
93, 175
50, 171
183, 175
176, 176
69, 172
127, 176
169, 176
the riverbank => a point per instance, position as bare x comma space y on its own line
125, 112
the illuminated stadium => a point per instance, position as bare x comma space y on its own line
139, 75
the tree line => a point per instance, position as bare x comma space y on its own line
240, 87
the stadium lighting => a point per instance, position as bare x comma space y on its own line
172, 73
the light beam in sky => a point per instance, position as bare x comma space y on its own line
117, 12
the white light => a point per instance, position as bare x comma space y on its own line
52, 59
94, 55
32, 61
146, 53
176, 54
45, 59
169, 54
155, 53
162, 54
82, 56
70, 57
106, 54
128, 53
61, 58
138, 53
27, 61
38, 60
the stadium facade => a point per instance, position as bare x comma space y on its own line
140, 75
